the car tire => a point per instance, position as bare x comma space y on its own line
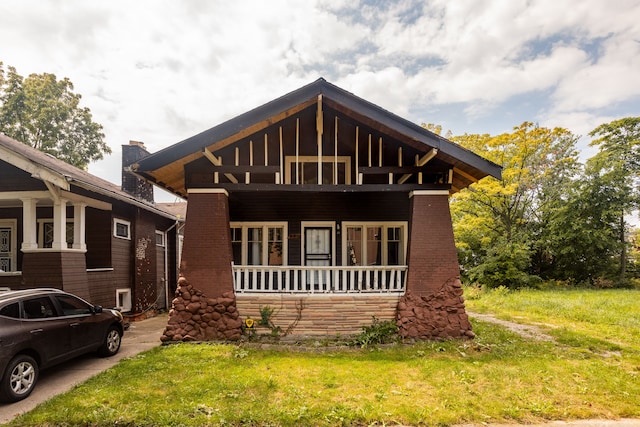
111, 343
19, 378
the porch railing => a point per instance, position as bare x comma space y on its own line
305, 279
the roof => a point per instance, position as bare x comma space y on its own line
166, 167
47, 168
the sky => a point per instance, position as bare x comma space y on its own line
161, 71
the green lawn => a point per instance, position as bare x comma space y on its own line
593, 371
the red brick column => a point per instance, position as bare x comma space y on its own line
204, 307
433, 306
431, 253
206, 253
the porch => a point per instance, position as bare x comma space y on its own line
389, 279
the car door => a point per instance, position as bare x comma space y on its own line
84, 330
48, 332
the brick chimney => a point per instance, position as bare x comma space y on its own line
131, 184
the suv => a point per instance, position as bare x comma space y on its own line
43, 327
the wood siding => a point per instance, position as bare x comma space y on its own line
337, 207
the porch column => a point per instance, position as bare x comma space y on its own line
59, 225
29, 224
432, 307
206, 251
204, 307
431, 255
79, 226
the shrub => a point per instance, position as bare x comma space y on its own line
377, 333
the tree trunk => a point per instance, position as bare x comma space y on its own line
623, 252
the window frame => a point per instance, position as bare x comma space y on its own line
119, 221
264, 255
163, 239
290, 161
385, 226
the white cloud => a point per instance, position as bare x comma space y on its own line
161, 71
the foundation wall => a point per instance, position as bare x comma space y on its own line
319, 314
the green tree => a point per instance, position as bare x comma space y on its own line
43, 112
498, 223
617, 164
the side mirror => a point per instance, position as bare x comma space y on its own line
97, 309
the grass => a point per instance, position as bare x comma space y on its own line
593, 371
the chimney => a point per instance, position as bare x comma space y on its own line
137, 187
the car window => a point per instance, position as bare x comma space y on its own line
38, 308
72, 306
11, 310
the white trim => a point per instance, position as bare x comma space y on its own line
164, 238
208, 191
404, 225
126, 299
37, 171
429, 193
117, 221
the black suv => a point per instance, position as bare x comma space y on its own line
42, 327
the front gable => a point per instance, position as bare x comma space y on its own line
319, 130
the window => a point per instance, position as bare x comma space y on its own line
374, 243
335, 170
11, 310
45, 233
38, 308
123, 299
72, 306
121, 228
259, 243
159, 238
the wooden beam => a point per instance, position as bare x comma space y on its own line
217, 162
319, 132
465, 175
420, 162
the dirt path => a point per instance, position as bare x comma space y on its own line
527, 331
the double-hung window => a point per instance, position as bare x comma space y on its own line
259, 243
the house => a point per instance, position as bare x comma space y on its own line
322, 207
64, 228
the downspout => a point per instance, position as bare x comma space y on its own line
166, 262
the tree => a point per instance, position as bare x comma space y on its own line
618, 165
498, 223
43, 112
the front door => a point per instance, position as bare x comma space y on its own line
318, 248
6, 248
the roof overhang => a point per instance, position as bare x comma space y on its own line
166, 167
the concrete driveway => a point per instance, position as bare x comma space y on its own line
141, 336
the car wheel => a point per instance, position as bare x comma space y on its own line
111, 343
19, 378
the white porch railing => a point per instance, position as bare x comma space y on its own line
305, 279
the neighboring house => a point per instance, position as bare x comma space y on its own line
324, 207
64, 228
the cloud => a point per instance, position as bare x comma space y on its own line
161, 71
